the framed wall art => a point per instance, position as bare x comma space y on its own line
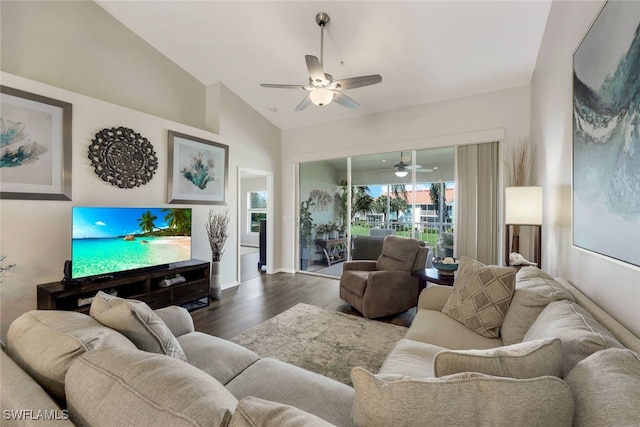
606, 135
198, 170
35, 146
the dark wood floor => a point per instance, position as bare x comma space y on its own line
258, 299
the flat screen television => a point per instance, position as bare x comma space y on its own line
112, 240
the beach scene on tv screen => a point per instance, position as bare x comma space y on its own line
110, 240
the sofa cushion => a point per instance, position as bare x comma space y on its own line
117, 386
281, 382
534, 291
398, 254
530, 359
606, 389
20, 392
221, 359
580, 333
143, 327
254, 412
460, 399
411, 358
435, 327
46, 342
481, 295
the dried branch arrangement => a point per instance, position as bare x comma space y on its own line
216, 226
518, 159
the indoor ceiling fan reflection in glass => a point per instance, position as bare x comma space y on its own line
322, 88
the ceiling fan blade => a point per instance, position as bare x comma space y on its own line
354, 82
315, 68
304, 103
344, 100
278, 86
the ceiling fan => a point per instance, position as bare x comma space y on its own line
402, 169
322, 88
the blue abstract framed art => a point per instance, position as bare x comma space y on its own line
35, 146
198, 170
606, 135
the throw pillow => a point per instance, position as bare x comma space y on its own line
143, 327
460, 399
534, 291
525, 360
481, 295
252, 411
580, 333
606, 388
120, 387
102, 302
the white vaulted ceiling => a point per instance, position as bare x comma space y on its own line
426, 51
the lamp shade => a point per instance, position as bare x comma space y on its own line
401, 173
523, 205
321, 96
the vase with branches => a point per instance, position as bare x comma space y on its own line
518, 160
216, 226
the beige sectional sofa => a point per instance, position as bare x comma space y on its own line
559, 360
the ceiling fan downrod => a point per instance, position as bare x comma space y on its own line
322, 19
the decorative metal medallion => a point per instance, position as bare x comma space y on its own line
123, 157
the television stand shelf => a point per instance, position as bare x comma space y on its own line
143, 286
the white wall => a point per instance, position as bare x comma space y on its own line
502, 115
613, 285
76, 45
36, 235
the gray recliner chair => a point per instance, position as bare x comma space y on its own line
385, 286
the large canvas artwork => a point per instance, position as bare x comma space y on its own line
606, 135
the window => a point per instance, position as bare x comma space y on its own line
257, 210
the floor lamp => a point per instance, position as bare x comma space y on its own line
522, 207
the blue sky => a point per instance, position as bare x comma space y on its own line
377, 190
99, 222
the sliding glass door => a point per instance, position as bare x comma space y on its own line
348, 206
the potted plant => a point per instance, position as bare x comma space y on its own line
322, 231
333, 230
306, 228
216, 227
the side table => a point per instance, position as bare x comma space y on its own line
431, 275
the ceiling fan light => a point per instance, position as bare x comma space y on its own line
321, 96
401, 174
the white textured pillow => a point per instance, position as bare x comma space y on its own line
525, 360
580, 333
534, 291
119, 387
481, 295
252, 411
143, 327
102, 302
606, 388
461, 399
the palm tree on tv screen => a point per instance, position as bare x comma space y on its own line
146, 222
178, 220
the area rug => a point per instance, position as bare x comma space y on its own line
321, 341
